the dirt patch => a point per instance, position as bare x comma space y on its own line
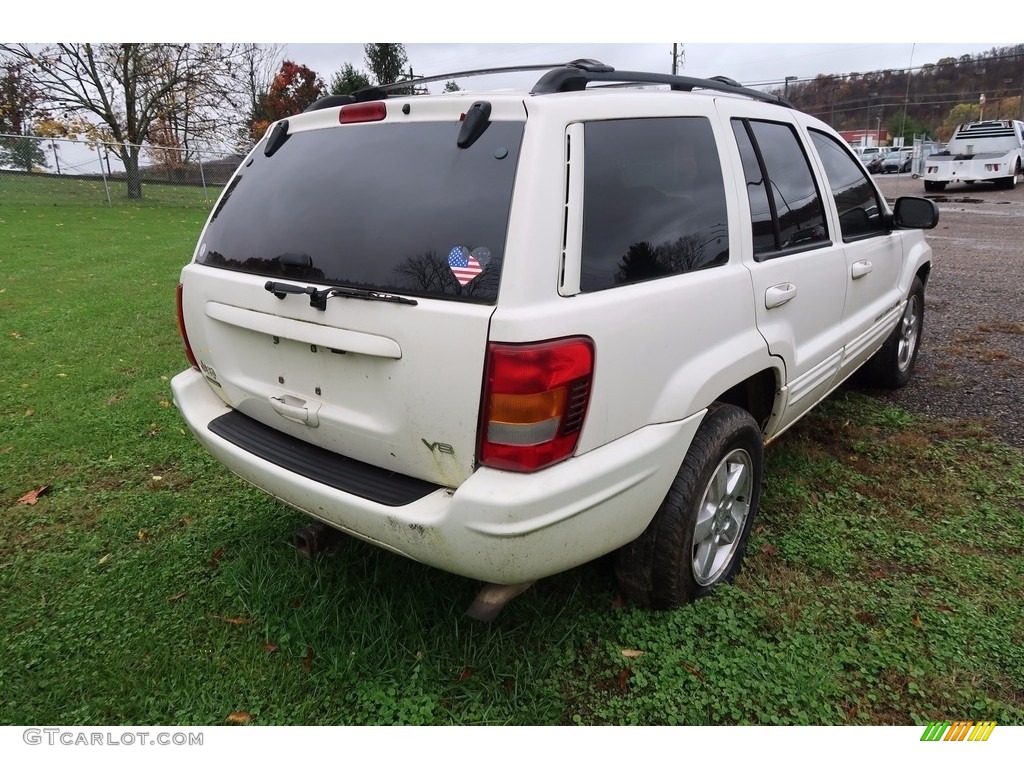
971, 362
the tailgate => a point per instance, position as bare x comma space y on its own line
392, 385
392, 208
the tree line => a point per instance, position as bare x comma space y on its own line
170, 100
929, 100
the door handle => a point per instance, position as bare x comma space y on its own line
778, 295
296, 409
860, 268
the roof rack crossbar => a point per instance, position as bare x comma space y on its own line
575, 79
415, 81
575, 76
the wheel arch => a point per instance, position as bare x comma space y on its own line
757, 395
738, 370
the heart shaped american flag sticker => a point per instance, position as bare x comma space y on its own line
463, 264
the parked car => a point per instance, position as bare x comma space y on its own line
898, 161
873, 162
506, 333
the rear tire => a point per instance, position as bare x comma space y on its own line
893, 365
699, 534
1010, 182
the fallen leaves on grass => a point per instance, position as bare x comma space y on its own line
624, 680
216, 557
238, 718
177, 597
235, 620
631, 653
32, 497
308, 663
692, 670
271, 647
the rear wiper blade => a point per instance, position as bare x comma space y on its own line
318, 299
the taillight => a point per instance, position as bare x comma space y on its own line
184, 336
535, 398
368, 112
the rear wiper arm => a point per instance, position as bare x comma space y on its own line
318, 299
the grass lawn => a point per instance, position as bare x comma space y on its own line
52, 189
883, 583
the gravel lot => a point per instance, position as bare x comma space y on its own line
971, 362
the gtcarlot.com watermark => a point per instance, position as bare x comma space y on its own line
77, 737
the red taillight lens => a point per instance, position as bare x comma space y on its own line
184, 336
369, 112
535, 399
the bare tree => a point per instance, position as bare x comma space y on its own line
258, 66
174, 93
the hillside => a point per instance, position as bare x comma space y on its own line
936, 95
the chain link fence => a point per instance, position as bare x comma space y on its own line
54, 171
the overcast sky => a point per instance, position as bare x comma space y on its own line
754, 44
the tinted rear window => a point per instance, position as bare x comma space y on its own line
396, 208
654, 201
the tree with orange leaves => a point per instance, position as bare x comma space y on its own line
295, 87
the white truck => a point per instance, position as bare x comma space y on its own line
992, 150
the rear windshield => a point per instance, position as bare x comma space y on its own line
387, 207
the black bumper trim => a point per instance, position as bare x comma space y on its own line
318, 464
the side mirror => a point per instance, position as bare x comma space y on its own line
915, 213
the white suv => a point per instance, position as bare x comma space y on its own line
504, 334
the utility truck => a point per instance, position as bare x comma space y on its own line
990, 150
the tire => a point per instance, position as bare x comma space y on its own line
699, 534
1010, 182
892, 366
934, 186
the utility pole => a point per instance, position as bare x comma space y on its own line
678, 57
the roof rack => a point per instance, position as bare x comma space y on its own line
559, 78
378, 92
573, 78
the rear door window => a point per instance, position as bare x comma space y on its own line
386, 207
785, 206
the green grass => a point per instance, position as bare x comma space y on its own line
19, 189
883, 582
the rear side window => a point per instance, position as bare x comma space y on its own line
387, 207
860, 210
785, 207
654, 201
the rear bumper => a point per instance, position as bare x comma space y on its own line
500, 527
966, 170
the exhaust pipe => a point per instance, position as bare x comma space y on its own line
492, 598
314, 538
